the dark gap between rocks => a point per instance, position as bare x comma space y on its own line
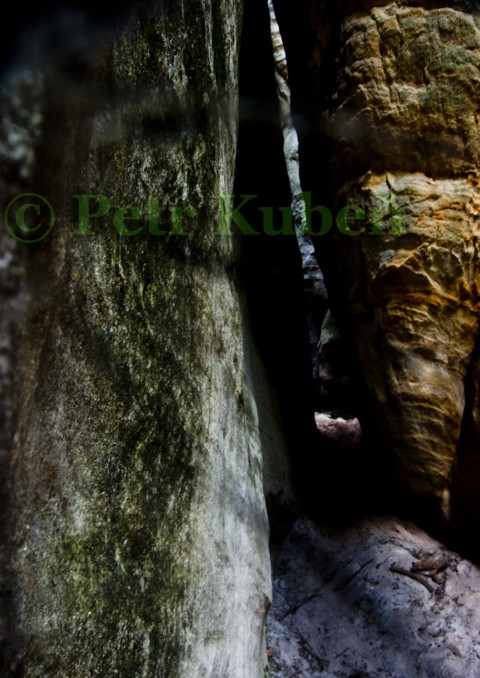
318, 398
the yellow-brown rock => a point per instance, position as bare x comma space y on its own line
414, 301
402, 118
408, 91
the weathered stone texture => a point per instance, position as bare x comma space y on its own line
138, 530
378, 599
414, 298
401, 115
408, 91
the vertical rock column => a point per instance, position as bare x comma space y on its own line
400, 122
136, 523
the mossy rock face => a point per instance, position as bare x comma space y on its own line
406, 94
140, 541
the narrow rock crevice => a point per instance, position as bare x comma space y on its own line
270, 267
316, 298
332, 474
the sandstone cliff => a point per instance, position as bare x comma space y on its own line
155, 376
395, 123
135, 524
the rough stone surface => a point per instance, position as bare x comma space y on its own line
400, 89
407, 90
414, 299
380, 599
138, 538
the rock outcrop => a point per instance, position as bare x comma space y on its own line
380, 598
408, 98
136, 525
396, 122
147, 401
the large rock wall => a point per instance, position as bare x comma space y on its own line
395, 124
406, 110
134, 509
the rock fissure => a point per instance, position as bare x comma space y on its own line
156, 388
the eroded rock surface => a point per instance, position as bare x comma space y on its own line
400, 97
407, 90
413, 298
380, 599
137, 529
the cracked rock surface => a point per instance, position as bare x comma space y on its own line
380, 599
